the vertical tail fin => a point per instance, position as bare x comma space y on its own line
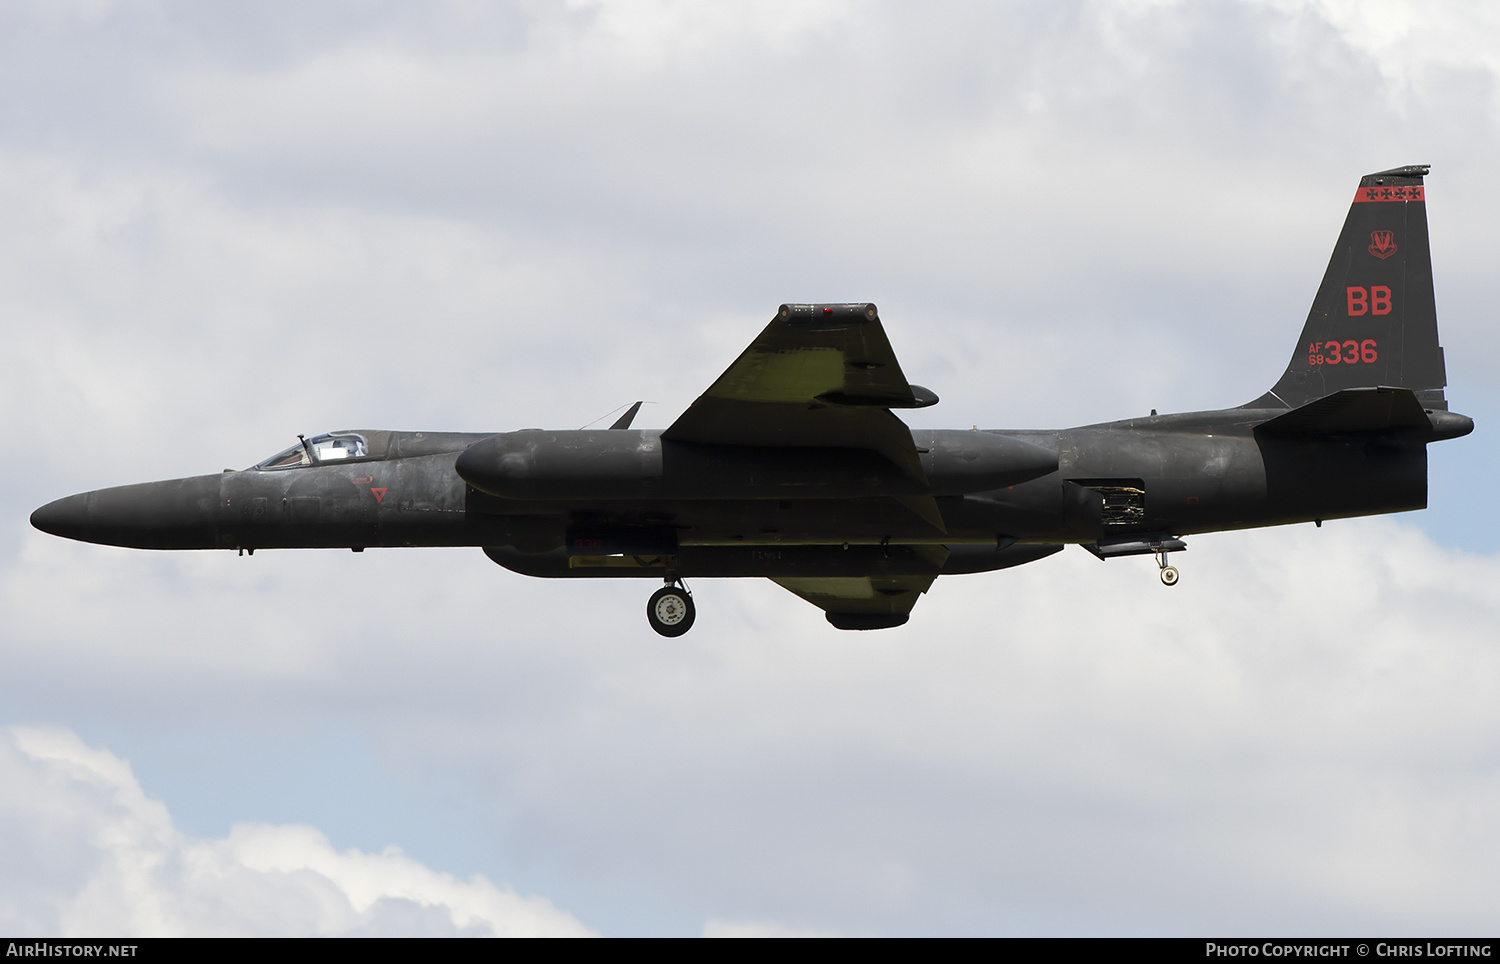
1374, 321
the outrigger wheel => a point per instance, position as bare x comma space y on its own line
1169, 574
670, 611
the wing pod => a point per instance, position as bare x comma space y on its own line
958, 462
630, 465
534, 464
612, 464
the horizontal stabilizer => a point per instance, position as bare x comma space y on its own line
1353, 410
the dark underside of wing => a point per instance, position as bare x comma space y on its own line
861, 602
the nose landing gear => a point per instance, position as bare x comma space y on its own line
670, 610
1169, 574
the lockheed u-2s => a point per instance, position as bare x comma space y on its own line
794, 467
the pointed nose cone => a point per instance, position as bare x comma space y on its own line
179, 514
68, 517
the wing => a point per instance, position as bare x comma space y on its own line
883, 600
861, 602
817, 376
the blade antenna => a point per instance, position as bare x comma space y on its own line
626, 417
624, 421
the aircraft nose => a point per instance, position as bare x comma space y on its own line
68, 517
179, 514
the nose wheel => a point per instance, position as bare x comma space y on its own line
670, 610
1169, 574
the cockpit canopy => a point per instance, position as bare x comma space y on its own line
328, 447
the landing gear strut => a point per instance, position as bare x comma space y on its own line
1168, 573
670, 611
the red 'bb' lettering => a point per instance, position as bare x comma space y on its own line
1359, 301
1380, 300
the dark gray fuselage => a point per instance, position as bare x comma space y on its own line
773, 511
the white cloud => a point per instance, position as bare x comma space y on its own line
87, 853
1410, 41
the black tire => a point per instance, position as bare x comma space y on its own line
670, 611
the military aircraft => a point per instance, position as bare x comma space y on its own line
794, 467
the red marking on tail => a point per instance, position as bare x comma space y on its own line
1413, 193
379, 492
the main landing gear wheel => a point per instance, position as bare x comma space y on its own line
670, 611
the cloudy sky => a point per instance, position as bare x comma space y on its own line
224, 224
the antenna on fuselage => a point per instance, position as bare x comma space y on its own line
623, 422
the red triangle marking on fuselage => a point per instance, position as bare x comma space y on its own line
379, 492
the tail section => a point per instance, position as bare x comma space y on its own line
1374, 321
